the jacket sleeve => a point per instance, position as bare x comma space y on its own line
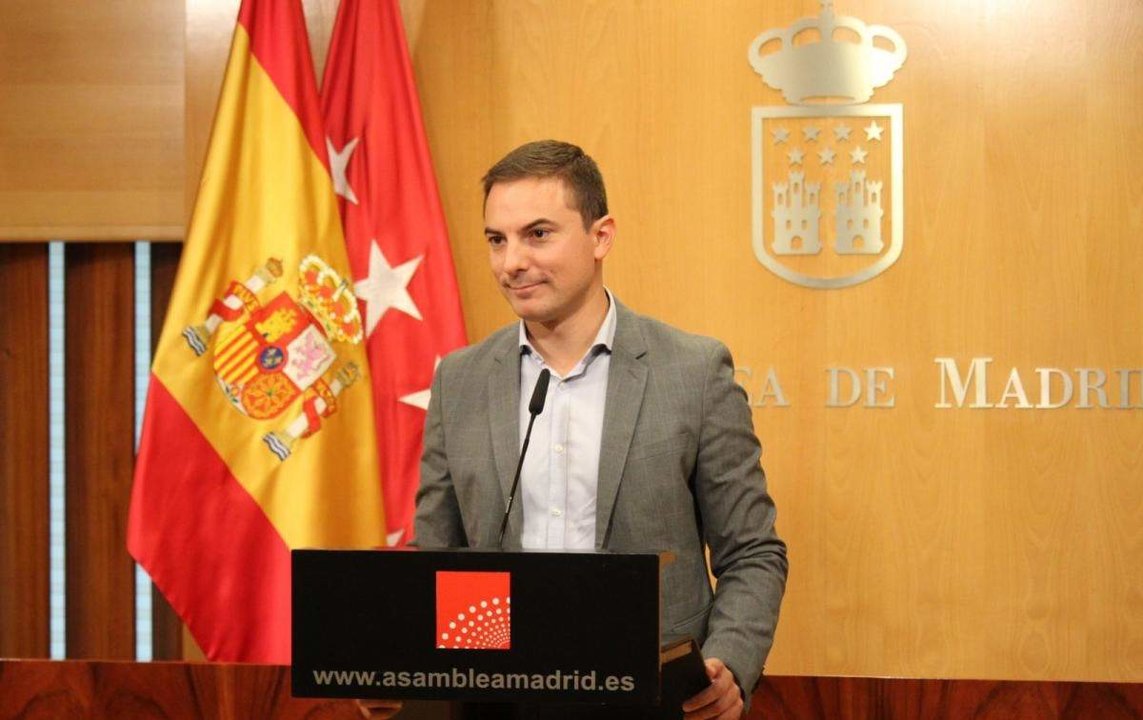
746, 555
437, 521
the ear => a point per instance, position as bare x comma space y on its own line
603, 234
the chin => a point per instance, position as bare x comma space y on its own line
531, 312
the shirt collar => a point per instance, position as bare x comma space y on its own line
603, 339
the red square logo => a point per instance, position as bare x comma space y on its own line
474, 610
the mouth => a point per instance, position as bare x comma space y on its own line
522, 288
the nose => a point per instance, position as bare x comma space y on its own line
515, 257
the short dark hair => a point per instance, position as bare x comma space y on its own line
553, 158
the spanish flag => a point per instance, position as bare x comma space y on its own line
259, 429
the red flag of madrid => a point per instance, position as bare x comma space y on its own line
395, 233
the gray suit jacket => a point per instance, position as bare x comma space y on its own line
679, 466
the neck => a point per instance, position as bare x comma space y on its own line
563, 343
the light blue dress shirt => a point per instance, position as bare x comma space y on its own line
561, 470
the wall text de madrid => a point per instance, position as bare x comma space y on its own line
976, 383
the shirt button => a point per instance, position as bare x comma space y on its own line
556, 512
559, 449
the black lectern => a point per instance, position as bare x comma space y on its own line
529, 627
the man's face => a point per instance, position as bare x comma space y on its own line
544, 260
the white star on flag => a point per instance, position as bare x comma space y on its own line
873, 131
421, 397
338, 165
386, 287
858, 155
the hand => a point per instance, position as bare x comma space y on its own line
722, 700
378, 709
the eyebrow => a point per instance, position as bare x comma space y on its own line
536, 223
530, 226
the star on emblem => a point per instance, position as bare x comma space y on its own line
873, 131
841, 132
781, 135
338, 165
857, 155
795, 156
386, 287
811, 133
826, 156
420, 398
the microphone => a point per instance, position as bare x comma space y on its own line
535, 407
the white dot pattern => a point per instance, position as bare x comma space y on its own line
488, 627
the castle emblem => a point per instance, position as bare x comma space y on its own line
828, 169
278, 355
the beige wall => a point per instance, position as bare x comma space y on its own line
923, 541
958, 542
91, 120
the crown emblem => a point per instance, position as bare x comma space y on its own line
828, 166
328, 296
827, 58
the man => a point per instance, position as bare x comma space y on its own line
645, 444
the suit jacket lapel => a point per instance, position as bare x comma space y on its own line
625, 384
504, 424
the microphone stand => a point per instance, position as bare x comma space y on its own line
535, 407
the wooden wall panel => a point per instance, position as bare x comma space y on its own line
99, 430
91, 137
939, 543
950, 543
166, 628
99, 690
24, 623
959, 542
209, 28
113, 690
849, 698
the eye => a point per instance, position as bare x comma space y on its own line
540, 233
495, 240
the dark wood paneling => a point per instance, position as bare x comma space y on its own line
819, 698
99, 431
104, 690
98, 690
24, 450
166, 628
164, 266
